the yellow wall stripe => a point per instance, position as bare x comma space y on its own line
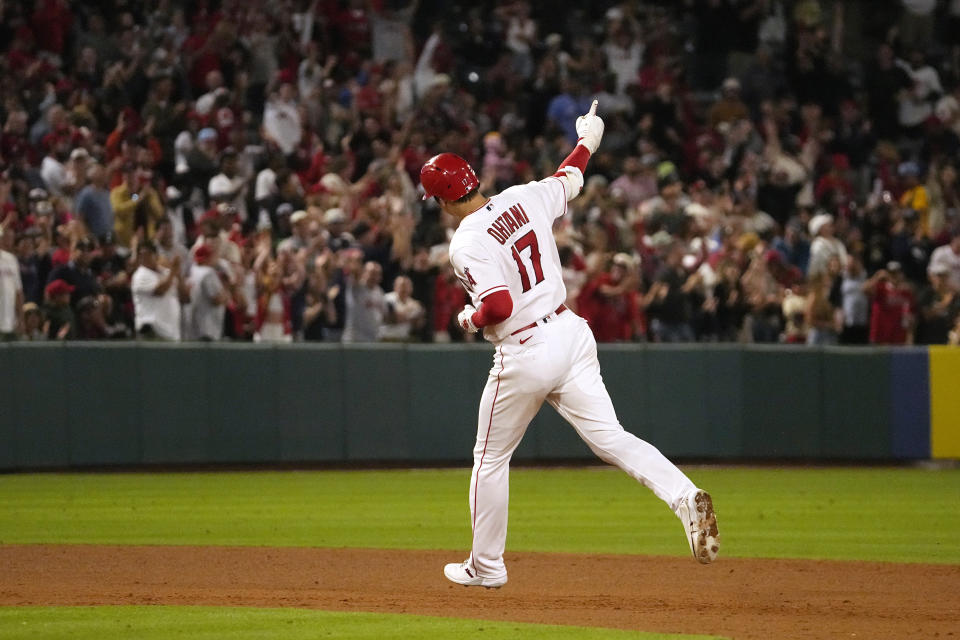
944, 402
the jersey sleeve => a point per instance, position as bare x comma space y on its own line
476, 269
556, 190
571, 178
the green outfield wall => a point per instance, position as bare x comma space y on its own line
95, 404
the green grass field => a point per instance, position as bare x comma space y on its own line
217, 623
901, 515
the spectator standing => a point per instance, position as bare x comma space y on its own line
266, 188
731, 302
938, 308
281, 119
609, 302
834, 188
521, 36
53, 171
423, 276
168, 249
825, 245
765, 299
856, 305
33, 267
228, 186
77, 272
300, 238
77, 167
948, 258
915, 194
273, 320
33, 322
404, 314
821, 315
794, 246
156, 296
729, 108
135, 203
338, 237
202, 161
110, 269
180, 214
891, 314
214, 85
207, 297
564, 107
390, 31
340, 264
637, 183
668, 302
60, 319
11, 288
944, 193
885, 81
624, 54
93, 203
365, 303
923, 89
319, 310
796, 329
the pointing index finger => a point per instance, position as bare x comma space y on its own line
593, 108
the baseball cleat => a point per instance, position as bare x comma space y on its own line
461, 573
700, 522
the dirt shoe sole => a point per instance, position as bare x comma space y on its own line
700, 521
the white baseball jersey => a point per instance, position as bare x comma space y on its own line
508, 245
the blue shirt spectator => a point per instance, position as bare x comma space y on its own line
93, 203
563, 111
794, 247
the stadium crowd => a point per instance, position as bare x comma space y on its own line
772, 170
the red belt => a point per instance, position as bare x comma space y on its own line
559, 310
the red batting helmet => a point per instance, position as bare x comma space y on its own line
448, 176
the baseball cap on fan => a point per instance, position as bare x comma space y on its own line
334, 216
58, 287
938, 269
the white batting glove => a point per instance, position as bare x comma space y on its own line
465, 319
590, 129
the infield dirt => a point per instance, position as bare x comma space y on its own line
734, 597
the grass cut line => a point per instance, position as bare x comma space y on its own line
892, 515
238, 623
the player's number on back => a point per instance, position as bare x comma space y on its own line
527, 241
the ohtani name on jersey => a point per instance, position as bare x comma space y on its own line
508, 222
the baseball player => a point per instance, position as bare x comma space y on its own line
505, 255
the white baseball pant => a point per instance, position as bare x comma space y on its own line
555, 361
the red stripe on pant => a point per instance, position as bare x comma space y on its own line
486, 441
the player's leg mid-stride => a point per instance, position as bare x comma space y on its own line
695, 512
